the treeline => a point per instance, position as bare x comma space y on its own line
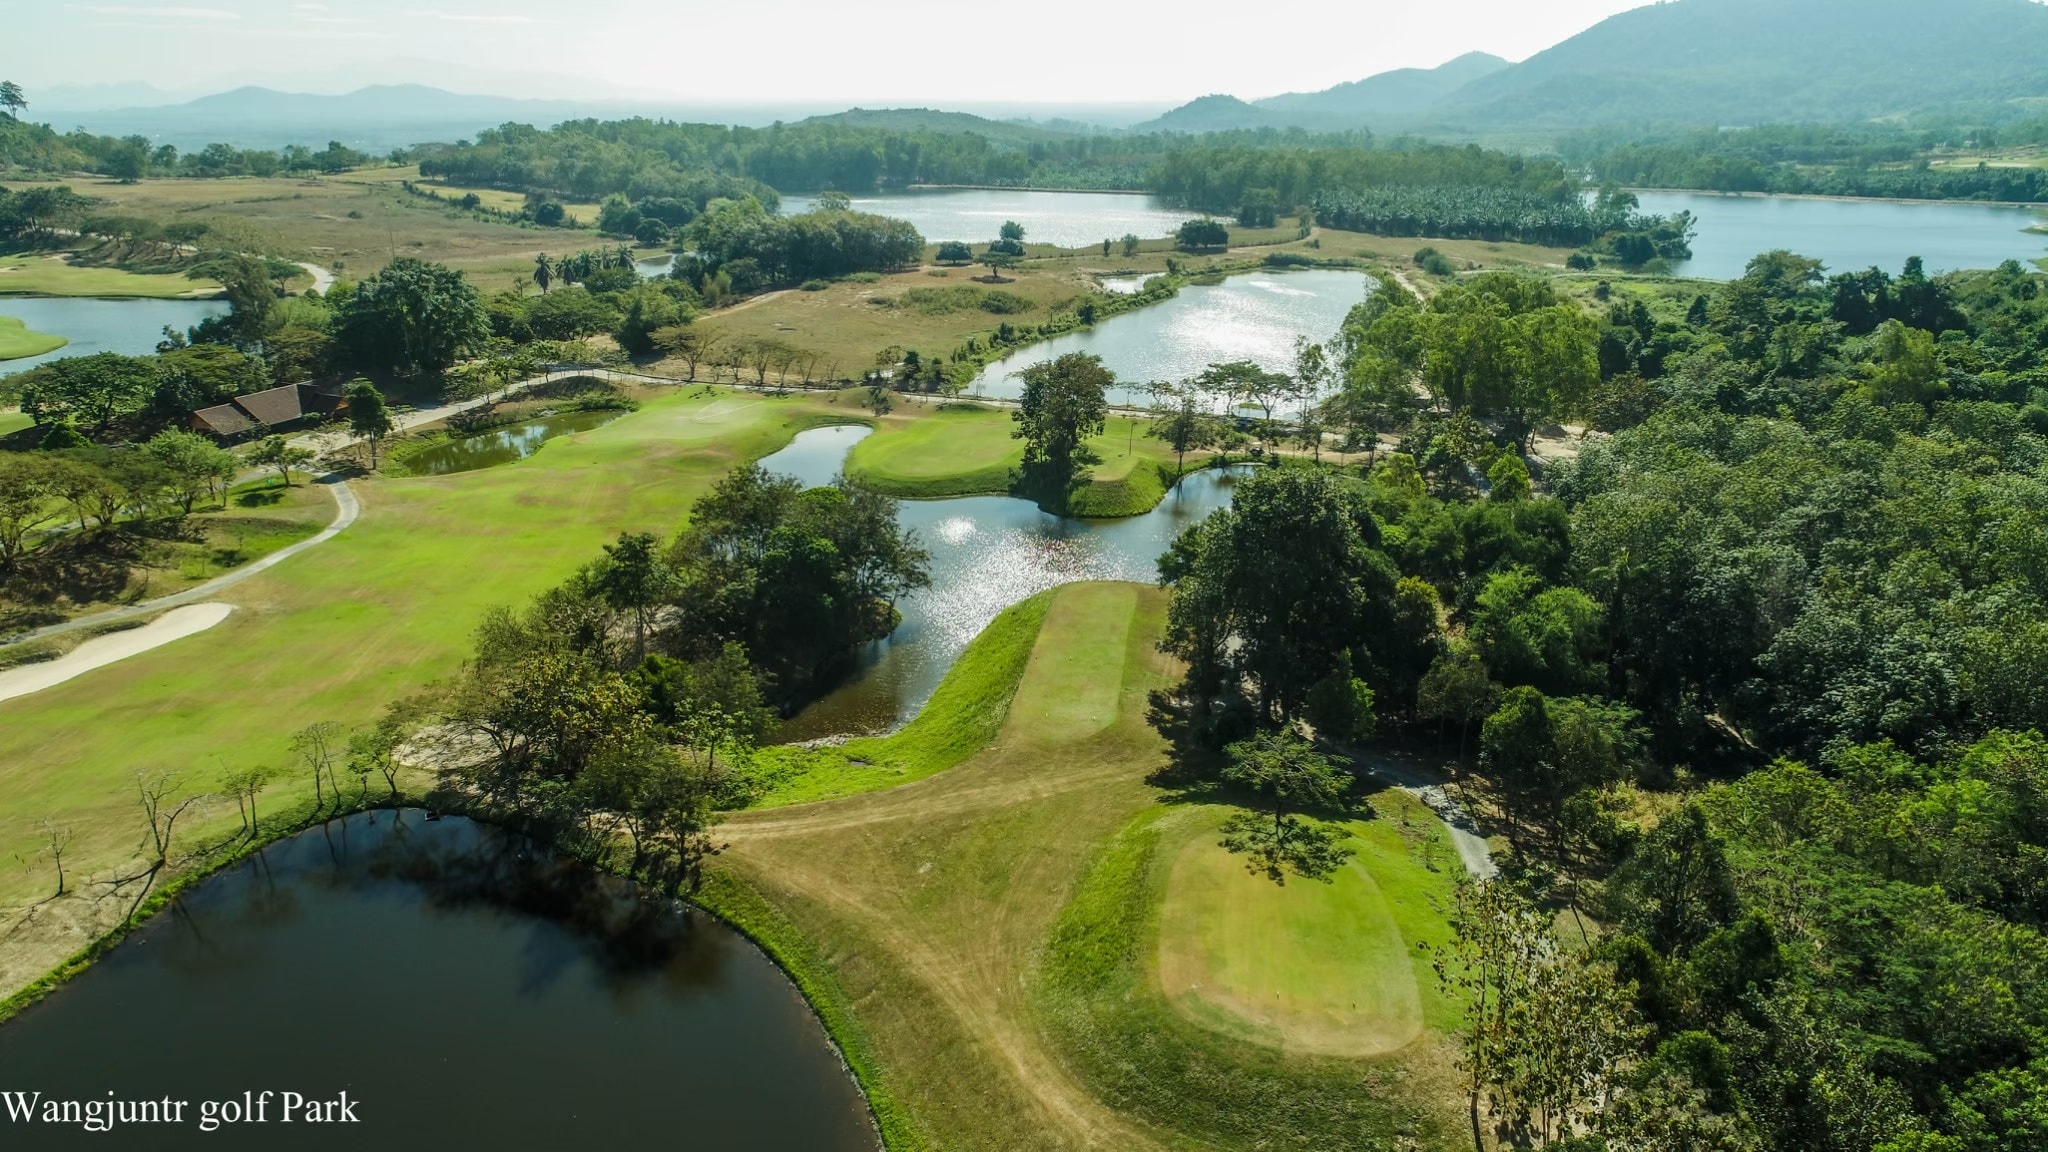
39, 148
1471, 213
1220, 178
1856, 160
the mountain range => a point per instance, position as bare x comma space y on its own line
1717, 62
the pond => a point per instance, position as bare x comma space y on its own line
1066, 219
130, 327
503, 445
987, 553
464, 988
1251, 316
1849, 235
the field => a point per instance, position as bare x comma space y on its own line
960, 449
16, 341
948, 929
13, 420
354, 223
37, 274
369, 616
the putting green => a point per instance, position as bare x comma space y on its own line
1308, 967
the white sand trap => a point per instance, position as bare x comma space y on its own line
101, 651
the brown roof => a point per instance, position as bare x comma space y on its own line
272, 406
222, 420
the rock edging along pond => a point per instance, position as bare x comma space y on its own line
504, 953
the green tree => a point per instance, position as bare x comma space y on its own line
1064, 402
1012, 231
1180, 420
1289, 775
1130, 244
28, 500
1457, 688
277, 452
1678, 887
197, 465
954, 252
412, 318
12, 99
1903, 367
1243, 382
647, 310
995, 260
543, 272
1201, 235
94, 389
368, 418
635, 577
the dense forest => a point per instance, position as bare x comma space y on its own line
1831, 160
1754, 679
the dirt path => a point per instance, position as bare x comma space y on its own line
322, 278
346, 509
101, 651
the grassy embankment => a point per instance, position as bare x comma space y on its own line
993, 971
17, 341
72, 573
926, 452
378, 612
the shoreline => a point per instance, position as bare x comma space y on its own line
2037, 206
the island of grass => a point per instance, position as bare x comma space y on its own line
16, 342
966, 449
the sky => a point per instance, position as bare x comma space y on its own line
876, 52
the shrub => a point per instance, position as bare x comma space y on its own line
1434, 262
816, 285
1288, 260
1580, 262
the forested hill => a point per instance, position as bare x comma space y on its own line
1745, 61
1707, 62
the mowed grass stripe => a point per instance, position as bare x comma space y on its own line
1074, 684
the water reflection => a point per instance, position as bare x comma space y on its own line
130, 327
503, 445
1254, 316
467, 989
1848, 235
1068, 219
988, 552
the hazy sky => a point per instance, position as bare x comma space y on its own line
922, 51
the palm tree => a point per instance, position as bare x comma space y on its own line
11, 98
543, 271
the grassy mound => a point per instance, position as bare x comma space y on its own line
1099, 995
963, 715
967, 450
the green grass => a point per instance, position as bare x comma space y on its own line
964, 449
13, 420
963, 715
17, 341
38, 274
1097, 995
1338, 968
378, 612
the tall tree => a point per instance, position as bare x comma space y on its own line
1288, 775
368, 418
1180, 420
12, 99
1064, 402
412, 318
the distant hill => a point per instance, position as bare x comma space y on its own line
1749, 61
933, 120
1713, 62
1401, 92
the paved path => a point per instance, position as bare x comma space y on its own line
101, 651
322, 278
346, 509
1428, 787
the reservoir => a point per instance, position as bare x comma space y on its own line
130, 327
466, 989
1849, 235
976, 215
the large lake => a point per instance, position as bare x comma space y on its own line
1251, 316
988, 552
1068, 219
1849, 235
130, 327
465, 989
